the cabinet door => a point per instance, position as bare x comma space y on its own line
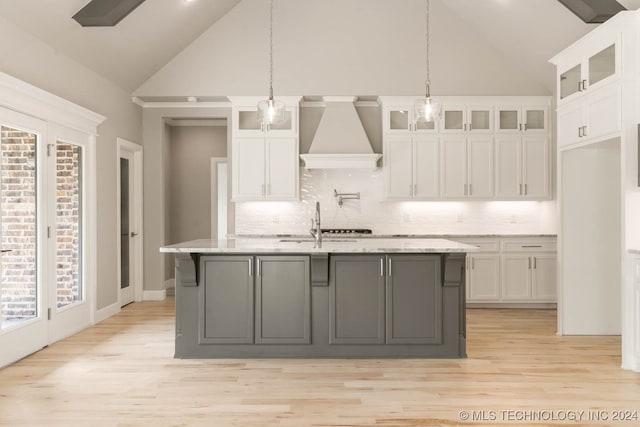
480, 119
516, 278
480, 167
288, 127
426, 168
453, 119
356, 299
245, 122
508, 166
602, 65
570, 121
535, 119
602, 112
413, 299
398, 161
454, 166
248, 168
282, 304
535, 161
397, 119
508, 119
543, 278
570, 81
484, 277
227, 298
282, 165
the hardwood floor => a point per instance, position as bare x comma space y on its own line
122, 373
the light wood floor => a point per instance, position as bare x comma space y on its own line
122, 373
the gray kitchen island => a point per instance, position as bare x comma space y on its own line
382, 298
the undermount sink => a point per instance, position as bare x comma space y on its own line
311, 240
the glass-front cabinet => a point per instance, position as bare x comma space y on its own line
475, 119
400, 118
529, 119
246, 123
592, 70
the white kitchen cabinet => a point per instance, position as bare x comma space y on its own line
264, 158
245, 123
398, 118
472, 119
411, 167
597, 65
529, 270
265, 169
467, 164
522, 119
522, 167
483, 277
592, 117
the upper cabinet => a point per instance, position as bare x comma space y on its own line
399, 118
265, 164
592, 62
522, 118
474, 119
245, 123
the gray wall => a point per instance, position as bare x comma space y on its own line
30, 60
189, 166
157, 202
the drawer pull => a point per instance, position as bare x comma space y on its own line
531, 246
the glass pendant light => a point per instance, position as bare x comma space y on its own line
271, 111
426, 109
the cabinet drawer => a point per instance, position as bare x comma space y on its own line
524, 246
482, 245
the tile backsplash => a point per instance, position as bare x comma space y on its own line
385, 217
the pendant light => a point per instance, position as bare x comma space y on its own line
426, 109
271, 111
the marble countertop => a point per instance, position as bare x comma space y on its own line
329, 245
391, 236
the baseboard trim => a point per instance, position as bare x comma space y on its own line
105, 313
154, 295
535, 305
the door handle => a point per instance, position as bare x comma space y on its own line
4, 251
381, 267
134, 234
389, 269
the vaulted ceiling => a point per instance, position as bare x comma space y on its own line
528, 32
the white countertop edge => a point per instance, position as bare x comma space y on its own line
242, 245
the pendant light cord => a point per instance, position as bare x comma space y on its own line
427, 82
270, 49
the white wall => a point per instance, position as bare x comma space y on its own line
337, 47
30, 60
591, 256
499, 217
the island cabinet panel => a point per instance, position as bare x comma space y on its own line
356, 299
227, 314
413, 300
283, 309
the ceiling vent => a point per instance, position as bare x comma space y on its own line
593, 11
105, 13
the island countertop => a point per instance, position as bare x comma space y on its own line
329, 245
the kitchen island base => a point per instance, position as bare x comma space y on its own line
405, 305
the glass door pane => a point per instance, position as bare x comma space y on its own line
18, 220
124, 223
399, 120
569, 81
69, 286
453, 120
480, 120
602, 64
508, 119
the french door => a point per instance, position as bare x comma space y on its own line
43, 291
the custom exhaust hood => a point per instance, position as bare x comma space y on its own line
340, 141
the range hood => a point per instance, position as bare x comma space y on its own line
340, 141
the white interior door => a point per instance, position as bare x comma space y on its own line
23, 291
129, 214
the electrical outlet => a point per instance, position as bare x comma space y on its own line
460, 217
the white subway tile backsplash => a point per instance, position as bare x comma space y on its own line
383, 217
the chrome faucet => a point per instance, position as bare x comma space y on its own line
316, 231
